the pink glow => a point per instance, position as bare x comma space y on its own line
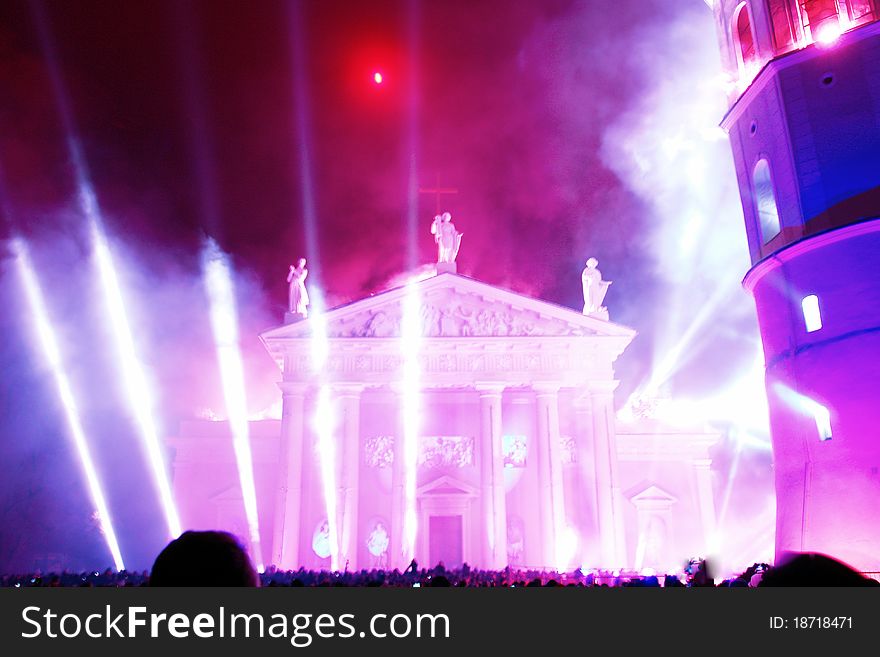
421, 497
678, 182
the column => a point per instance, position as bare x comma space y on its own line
705, 500
286, 530
493, 500
550, 488
608, 496
398, 494
348, 403
588, 526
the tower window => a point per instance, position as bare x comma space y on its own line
821, 20
765, 201
797, 23
825, 20
812, 316
783, 25
745, 40
823, 421
860, 11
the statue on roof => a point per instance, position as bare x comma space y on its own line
595, 290
448, 239
298, 297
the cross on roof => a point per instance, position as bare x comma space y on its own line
438, 190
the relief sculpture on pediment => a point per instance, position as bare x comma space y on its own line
454, 316
372, 324
450, 323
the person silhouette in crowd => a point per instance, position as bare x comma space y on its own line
813, 569
208, 558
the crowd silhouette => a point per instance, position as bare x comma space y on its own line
214, 558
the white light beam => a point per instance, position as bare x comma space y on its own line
411, 334
140, 397
53, 356
224, 324
323, 422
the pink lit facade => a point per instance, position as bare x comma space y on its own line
804, 125
519, 459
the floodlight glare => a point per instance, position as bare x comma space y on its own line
53, 355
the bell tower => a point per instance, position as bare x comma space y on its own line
804, 126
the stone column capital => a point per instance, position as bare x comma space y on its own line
489, 388
346, 389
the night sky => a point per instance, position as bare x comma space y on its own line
570, 129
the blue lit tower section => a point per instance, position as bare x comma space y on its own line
804, 125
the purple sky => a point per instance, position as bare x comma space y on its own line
551, 118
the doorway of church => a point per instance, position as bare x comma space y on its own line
445, 541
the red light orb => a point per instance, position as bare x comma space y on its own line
377, 77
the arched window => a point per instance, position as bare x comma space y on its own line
765, 201
784, 32
742, 32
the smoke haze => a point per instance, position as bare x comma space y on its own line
569, 129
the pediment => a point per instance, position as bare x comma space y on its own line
446, 486
453, 306
650, 496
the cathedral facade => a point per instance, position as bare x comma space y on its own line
486, 437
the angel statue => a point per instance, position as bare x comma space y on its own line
298, 297
448, 239
595, 290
